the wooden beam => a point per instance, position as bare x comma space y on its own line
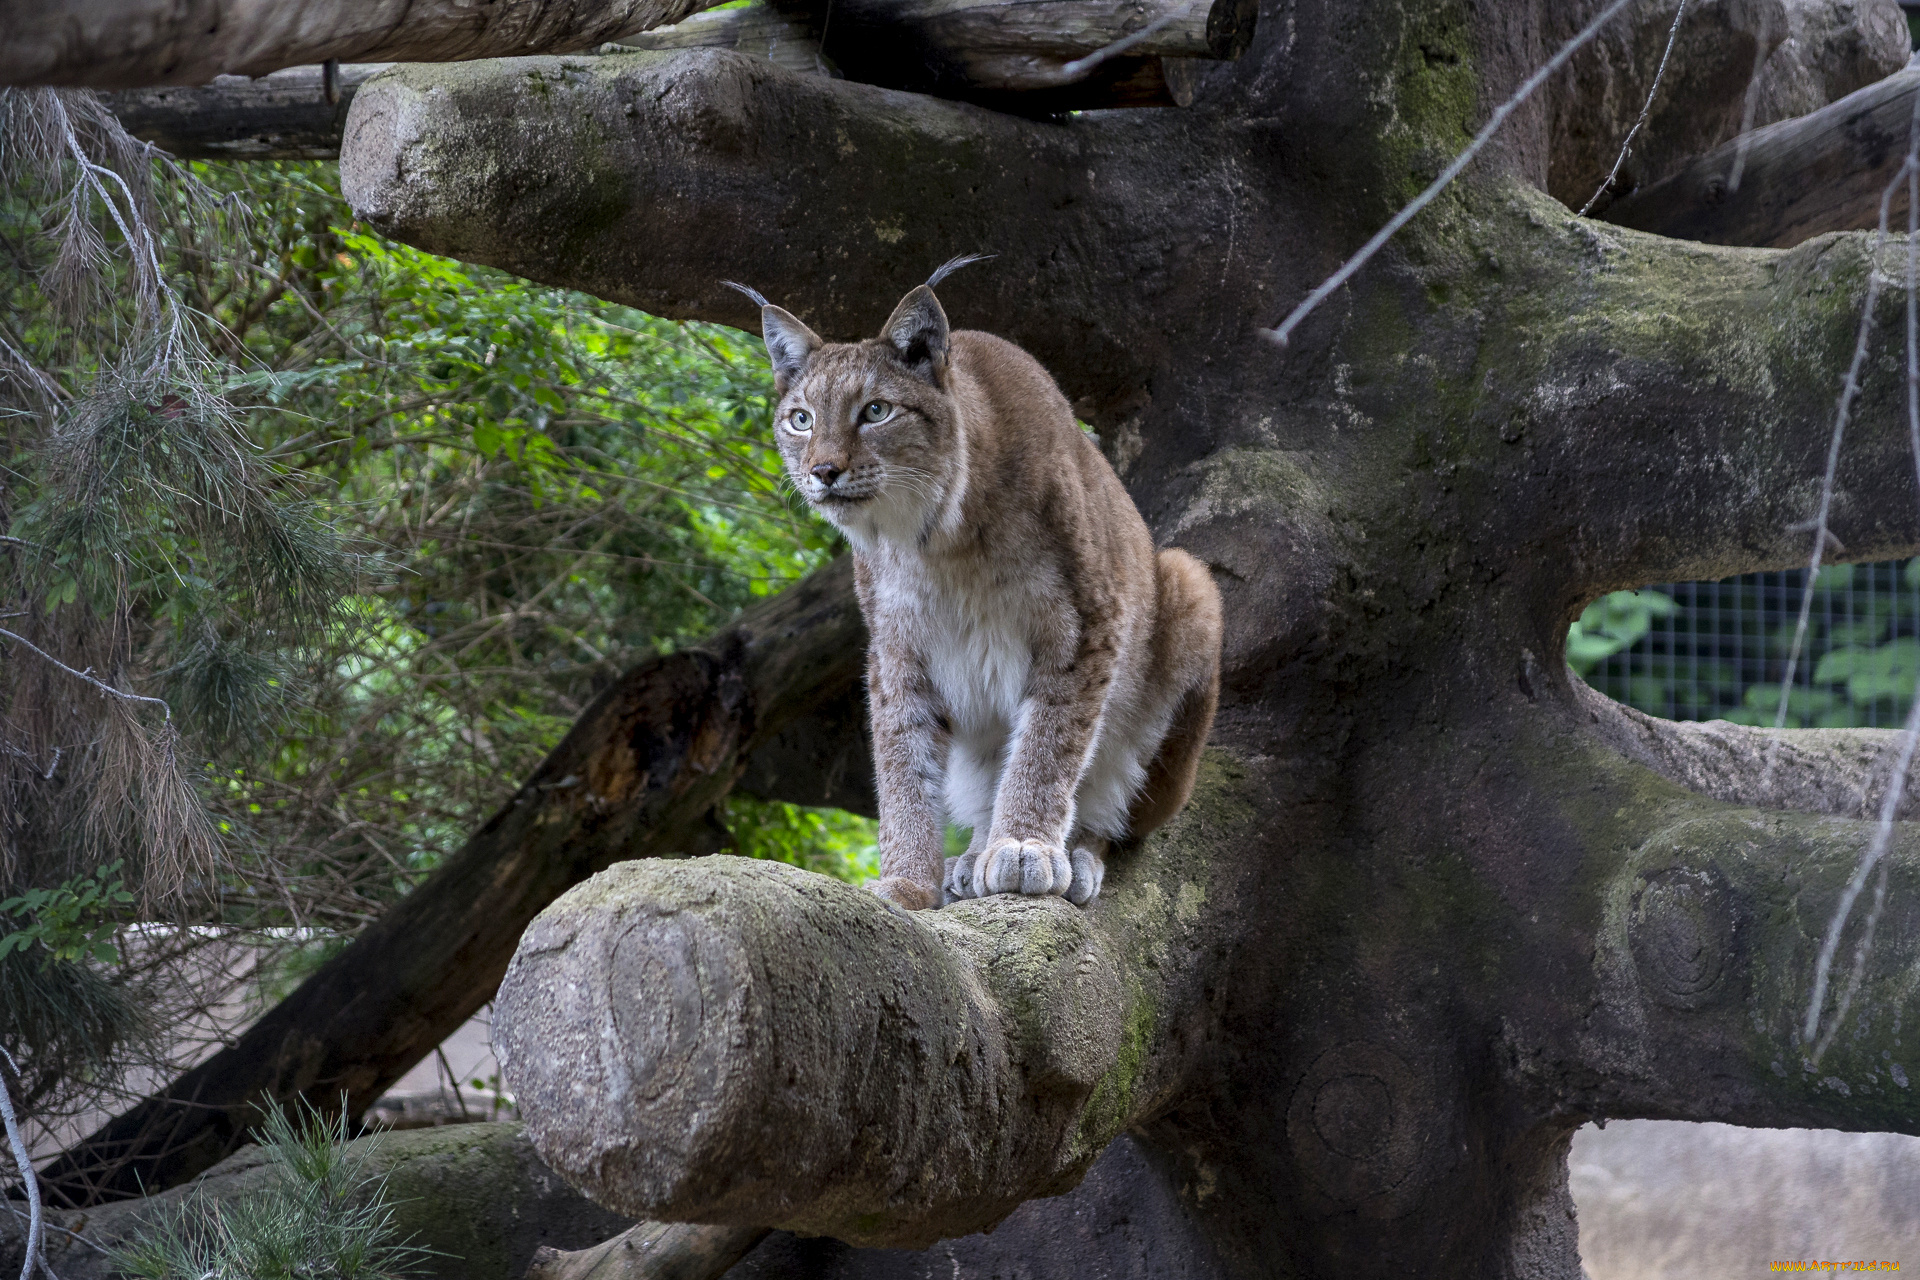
1801, 177
131, 44
284, 116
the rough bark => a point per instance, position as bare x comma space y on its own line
284, 116
651, 1251
1802, 177
132, 44
637, 777
1426, 915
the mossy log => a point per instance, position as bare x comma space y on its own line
664, 1033
1432, 907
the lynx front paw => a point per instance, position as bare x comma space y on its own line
1011, 866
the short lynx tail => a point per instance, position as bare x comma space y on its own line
759, 299
952, 265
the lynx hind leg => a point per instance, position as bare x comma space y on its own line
1186, 660
910, 894
959, 882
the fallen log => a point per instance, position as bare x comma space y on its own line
1802, 177
130, 44
636, 778
284, 116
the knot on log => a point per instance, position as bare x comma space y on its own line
731, 1041
1683, 936
1361, 1127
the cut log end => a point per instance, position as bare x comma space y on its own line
733, 1041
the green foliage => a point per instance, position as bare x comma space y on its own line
829, 841
68, 1024
377, 527
560, 486
74, 921
1719, 650
325, 1217
1614, 622
146, 535
537, 488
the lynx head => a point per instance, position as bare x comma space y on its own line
870, 432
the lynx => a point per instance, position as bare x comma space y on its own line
1036, 669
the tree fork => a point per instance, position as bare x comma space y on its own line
637, 777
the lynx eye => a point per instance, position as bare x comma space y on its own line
800, 420
876, 411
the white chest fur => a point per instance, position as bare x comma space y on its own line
975, 635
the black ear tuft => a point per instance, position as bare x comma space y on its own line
918, 331
952, 265
790, 345
759, 299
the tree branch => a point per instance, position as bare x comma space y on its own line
1670, 408
741, 1042
651, 1251
649, 178
1802, 177
637, 777
1709, 921
1841, 772
130, 44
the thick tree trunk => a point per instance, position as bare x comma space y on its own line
1431, 908
637, 777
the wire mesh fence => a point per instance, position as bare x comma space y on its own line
1718, 650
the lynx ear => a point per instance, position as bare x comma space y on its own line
790, 345
918, 331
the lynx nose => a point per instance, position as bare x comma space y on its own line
826, 473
